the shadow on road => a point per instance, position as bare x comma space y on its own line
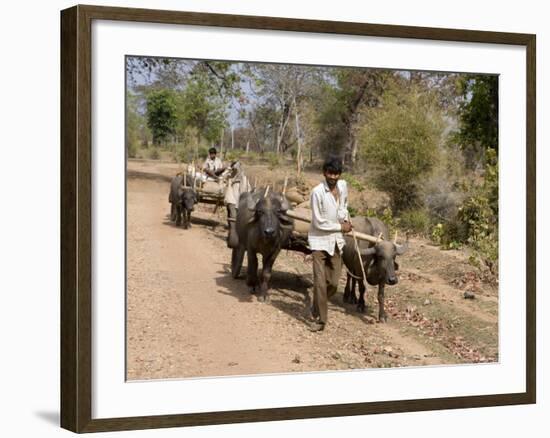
289, 293
147, 175
194, 221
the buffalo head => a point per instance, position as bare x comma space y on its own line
269, 212
383, 267
188, 198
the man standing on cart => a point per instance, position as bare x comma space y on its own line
330, 219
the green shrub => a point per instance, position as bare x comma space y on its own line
273, 159
476, 222
154, 153
234, 154
132, 149
202, 152
352, 211
401, 141
416, 221
353, 181
448, 235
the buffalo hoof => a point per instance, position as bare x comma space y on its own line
263, 298
178, 223
383, 318
252, 290
361, 307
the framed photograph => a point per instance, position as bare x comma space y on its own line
268, 219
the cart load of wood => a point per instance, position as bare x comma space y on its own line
208, 190
302, 219
297, 195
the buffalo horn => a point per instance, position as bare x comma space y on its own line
250, 202
368, 251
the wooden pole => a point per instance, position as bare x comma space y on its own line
361, 236
359, 255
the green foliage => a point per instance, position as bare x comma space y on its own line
476, 222
161, 114
200, 107
234, 154
353, 181
478, 114
401, 141
416, 220
480, 214
154, 153
353, 211
448, 235
137, 132
273, 159
385, 216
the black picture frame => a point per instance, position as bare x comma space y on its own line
76, 217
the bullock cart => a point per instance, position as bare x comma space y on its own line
264, 225
208, 191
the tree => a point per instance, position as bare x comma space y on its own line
347, 94
137, 132
282, 88
401, 141
161, 114
358, 88
478, 117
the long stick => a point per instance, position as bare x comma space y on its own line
358, 235
359, 255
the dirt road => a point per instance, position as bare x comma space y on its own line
188, 317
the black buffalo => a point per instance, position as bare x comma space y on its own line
262, 228
378, 261
182, 200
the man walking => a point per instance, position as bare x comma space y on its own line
330, 218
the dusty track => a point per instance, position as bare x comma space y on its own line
188, 317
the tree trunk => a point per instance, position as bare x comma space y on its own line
299, 140
285, 116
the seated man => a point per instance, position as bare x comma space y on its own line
213, 166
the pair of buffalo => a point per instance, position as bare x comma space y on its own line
182, 200
263, 227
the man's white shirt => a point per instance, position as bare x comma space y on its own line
327, 214
212, 165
